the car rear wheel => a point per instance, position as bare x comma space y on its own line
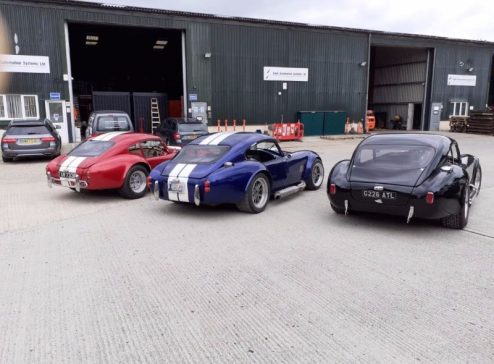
459, 220
135, 183
6, 159
257, 195
337, 209
316, 175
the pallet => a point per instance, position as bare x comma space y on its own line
481, 122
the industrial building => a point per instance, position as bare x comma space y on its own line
70, 57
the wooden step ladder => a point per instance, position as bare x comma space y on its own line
155, 114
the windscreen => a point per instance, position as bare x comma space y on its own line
191, 127
91, 148
113, 123
27, 130
201, 154
394, 164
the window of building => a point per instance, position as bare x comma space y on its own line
19, 107
459, 108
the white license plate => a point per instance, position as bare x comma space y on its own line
29, 141
176, 186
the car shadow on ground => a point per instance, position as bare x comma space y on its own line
99, 196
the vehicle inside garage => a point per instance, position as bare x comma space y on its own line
397, 86
127, 68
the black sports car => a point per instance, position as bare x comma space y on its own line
412, 175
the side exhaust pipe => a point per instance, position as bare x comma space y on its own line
289, 190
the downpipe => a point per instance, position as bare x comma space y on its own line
289, 191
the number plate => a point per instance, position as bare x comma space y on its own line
176, 186
29, 141
384, 195
64, 174
189, 137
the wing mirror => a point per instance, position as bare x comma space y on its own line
446, 169
58, 126
228, 164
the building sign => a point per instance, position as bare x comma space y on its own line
192, 97
13, 63
54, 95
462, 80
286, 74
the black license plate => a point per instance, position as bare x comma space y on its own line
64, 174
383, 195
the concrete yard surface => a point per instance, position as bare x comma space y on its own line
92, 277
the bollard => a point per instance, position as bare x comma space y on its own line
243, 124
226, 125
219, 125
234, 124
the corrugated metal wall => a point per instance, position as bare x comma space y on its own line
231, 81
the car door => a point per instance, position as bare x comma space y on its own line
155, 152
270, 155
295, 167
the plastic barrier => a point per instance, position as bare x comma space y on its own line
288, 131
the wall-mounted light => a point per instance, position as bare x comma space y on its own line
470, 69
363, 64
207, 55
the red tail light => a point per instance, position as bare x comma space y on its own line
332, 189
429, 198
48, 139
176, 136
9, 140
207, 187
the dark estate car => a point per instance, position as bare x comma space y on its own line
27, 138
107, 121
180, 131
412, 175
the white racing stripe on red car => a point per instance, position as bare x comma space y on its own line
70, 165
109, 136
179, 176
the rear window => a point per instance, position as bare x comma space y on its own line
91, 148
201, 154
113, 123
393, 156
191, 127
27, 130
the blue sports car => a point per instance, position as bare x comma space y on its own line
245, 169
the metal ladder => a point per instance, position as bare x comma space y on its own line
155, 114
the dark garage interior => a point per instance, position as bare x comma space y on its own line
119, 62
397, 80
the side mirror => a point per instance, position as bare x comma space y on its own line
228, 164
58, 126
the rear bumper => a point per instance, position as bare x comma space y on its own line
13, 153
442, 207
75, 183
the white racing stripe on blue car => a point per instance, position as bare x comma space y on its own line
180, 174
215, 139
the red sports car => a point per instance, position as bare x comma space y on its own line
117, 160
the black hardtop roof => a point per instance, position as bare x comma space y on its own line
432, 140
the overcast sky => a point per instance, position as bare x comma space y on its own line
467, 19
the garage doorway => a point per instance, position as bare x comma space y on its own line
107, 59
397, 85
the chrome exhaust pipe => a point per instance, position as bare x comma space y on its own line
156, 190
289, 190
49, 180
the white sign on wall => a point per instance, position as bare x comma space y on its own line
462, 80
13, 63
286, 74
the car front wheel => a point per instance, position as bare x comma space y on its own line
135, 183
257, 195
316, 175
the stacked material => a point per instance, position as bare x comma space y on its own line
458, 124
481, 122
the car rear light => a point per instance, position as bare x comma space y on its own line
207, 187
148, 182
9, 140
429, 198
48, 139
176, 136
332, 189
